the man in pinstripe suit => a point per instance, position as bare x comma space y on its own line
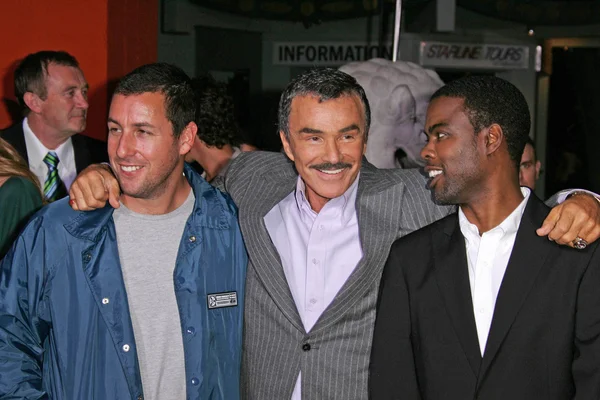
318, 231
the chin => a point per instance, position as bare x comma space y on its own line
331, 194
77, 129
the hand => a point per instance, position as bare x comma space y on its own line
92, 187
578, 215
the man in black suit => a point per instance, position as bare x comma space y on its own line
477, 305
51, 87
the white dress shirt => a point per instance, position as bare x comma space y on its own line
36, 152
318, 251
487, 257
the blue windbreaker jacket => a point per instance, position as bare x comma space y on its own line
65, 328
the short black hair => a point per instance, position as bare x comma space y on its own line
491, 100
31, 72
532, 144
215, 114
170, 81
326, 84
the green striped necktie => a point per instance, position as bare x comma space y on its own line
54, 188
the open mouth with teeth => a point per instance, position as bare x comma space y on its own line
331, 171
130, 168
434, 176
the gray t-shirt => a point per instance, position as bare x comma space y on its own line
148, 246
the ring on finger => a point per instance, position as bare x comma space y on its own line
579, 243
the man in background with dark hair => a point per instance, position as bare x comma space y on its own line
219, 137
529, 168
477, 305
52, 90
140, 302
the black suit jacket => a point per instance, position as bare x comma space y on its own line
544, 340
87, 150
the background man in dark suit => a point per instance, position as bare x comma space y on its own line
477, 305
51, 87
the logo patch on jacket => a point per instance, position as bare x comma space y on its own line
220, 300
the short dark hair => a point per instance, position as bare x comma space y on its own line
491, 100
170, 81
532, 144
31, 72
215, 114
326, 84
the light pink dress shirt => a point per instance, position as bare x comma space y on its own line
318, 251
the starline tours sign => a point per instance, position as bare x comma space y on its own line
327, 54
475, 56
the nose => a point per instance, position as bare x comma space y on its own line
428, 152
81, 101
126, 145
332, 151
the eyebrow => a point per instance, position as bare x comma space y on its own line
435, 126
137, 125
86, 86
143, 125
349, 128
312, 131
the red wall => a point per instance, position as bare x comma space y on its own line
104, 35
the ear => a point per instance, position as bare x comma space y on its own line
538, 166
33, 101
187, 138
286, 145
494, 138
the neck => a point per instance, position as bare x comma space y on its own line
316, 202
492, 205
50, 138
214, 160
168, 198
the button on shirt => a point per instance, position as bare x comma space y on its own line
36, 152
487, 258
318, 251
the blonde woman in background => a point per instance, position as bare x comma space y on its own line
20, 195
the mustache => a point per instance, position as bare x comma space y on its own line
330, 166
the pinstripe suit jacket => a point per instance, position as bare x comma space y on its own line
334, 355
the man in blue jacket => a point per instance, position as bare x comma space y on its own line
143, 301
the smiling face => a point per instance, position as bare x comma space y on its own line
144, 155
453, 153
326, 143
64, 108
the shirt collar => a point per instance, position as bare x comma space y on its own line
36, 151
345, 204
510, 225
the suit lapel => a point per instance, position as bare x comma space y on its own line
16, 137
81, 151
262, 251
529, 254
451, 269
379, 223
